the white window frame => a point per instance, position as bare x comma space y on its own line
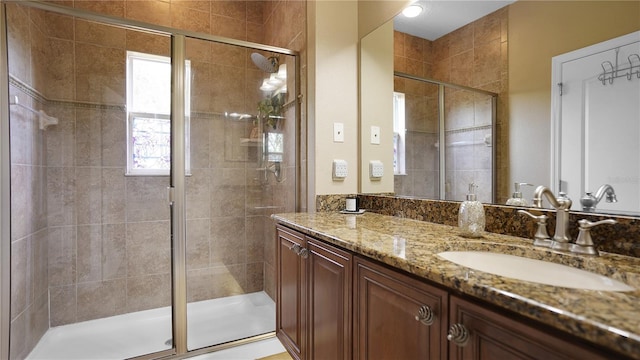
399, 134
131, 115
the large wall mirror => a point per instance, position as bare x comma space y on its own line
507, 51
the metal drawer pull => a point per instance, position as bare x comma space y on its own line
425, 315
459, 334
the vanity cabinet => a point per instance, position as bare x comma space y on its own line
291, 292
479, 333
333, 304
396, 316
313, 311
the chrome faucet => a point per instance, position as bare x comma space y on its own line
589, 201
562, 204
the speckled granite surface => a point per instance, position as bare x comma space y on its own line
610, 319
623, 238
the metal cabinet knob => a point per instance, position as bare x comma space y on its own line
458, 334
304, 253
296, 249
425, 315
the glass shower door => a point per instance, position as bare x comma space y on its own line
91, 234
242, 169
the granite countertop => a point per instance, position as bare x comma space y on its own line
609, 319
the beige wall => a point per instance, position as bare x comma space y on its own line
371, 14
333, 93
376, 92
539, 30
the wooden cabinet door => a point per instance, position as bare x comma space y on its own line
291, 290
495, 336
329, 301
386, 306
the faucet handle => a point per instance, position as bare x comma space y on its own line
584, 242
541, 238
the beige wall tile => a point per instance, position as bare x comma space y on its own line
255, 239
20, 201
63, 305
146, 198
202, 5
151, 11
114, 251
148, 260
148, 292
89, 195
60, 83
190, 19
113, 196
107, 7
228, 244
98, 34
61, 196
487, 61
61, 139
88, 137
198, 194
231, 9
19, 42
255, 277
148, 43
20, 276
62, 256
198, 246
113, 140
229, 27
100, 74
101, 299
89, 257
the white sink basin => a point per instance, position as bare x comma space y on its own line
537, 271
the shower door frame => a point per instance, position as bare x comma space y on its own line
177, 188
442, 86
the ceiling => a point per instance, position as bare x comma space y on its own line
440, 17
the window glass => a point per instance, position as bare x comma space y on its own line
148, 111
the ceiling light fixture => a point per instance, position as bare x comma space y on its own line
412, 11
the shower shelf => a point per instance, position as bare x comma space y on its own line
250, 142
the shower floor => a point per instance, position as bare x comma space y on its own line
208, 322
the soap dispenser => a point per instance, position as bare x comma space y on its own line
516, 198
471, 218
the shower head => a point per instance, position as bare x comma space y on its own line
265, 64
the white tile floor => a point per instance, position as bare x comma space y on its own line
209, 322
245, 352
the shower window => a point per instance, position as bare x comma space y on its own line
148, 114
399, 133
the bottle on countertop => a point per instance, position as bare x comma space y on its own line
471, 219
516, 198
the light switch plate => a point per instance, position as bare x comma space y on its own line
338, 132
340, 170
375, 135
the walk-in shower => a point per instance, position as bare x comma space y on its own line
139, 222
